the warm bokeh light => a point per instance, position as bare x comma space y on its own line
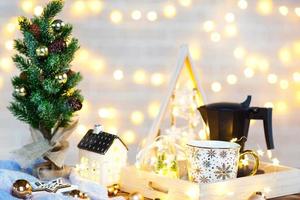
1, 82
185, 3
107, 113
152, 16
78, 8
6, 64
136, 15
284, 84
284, 55
239, 53
229, 17
215, 36
137, 117
195, 51
9, 45
97, 65
116, 16
232, 79
249, 72
153, 109
38, 10
283, 10
169, 11
263, 64
27, 5
296, 77
281, 107
243, 4
272, 78
128, 137
118, 75
264, 7
209, 26
82, 55
216, 87
157, 79
297, 11
140, 76
231, 30
96, 6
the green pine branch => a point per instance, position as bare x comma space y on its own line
52, 9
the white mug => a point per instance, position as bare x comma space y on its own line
212, 161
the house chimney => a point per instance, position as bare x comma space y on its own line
98, 129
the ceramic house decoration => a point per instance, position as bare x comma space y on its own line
102, 156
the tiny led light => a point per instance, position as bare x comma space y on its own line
169, 11
128, 137
139, 77
272, 78
275, 161
249, 72
243, 4
38, 10
216, 87
229, 17
284, 84
260, 152
157, 79
283, 10
137, 117
208, 26
118, 75
215, 37
297, 11
152, 16
116, 16
296, 77
232, 79
185, 3
264, 7
239, 53
136, 15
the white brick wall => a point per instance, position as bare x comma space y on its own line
154, 46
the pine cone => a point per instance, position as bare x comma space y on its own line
57, 46
23, 76
75, 104
35, 30
70, 72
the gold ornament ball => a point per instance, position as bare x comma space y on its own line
21, 189
57, 25
42, 51
257, 196
20, 91
117, 187
136, 196
78, 194
111, 191
62, 78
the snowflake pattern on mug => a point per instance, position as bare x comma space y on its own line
208, 165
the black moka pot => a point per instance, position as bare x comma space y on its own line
227, 121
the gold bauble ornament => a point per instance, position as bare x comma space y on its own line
117, 187
62, 78
136, 196
79, 195
57, 25
111, 191
20, 91
42, 51
21, 189
257, 196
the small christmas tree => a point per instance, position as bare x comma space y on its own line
45, 96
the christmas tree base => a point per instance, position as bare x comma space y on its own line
48, 171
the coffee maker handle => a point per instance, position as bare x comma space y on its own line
264, 114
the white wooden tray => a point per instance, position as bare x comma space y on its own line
277, 181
